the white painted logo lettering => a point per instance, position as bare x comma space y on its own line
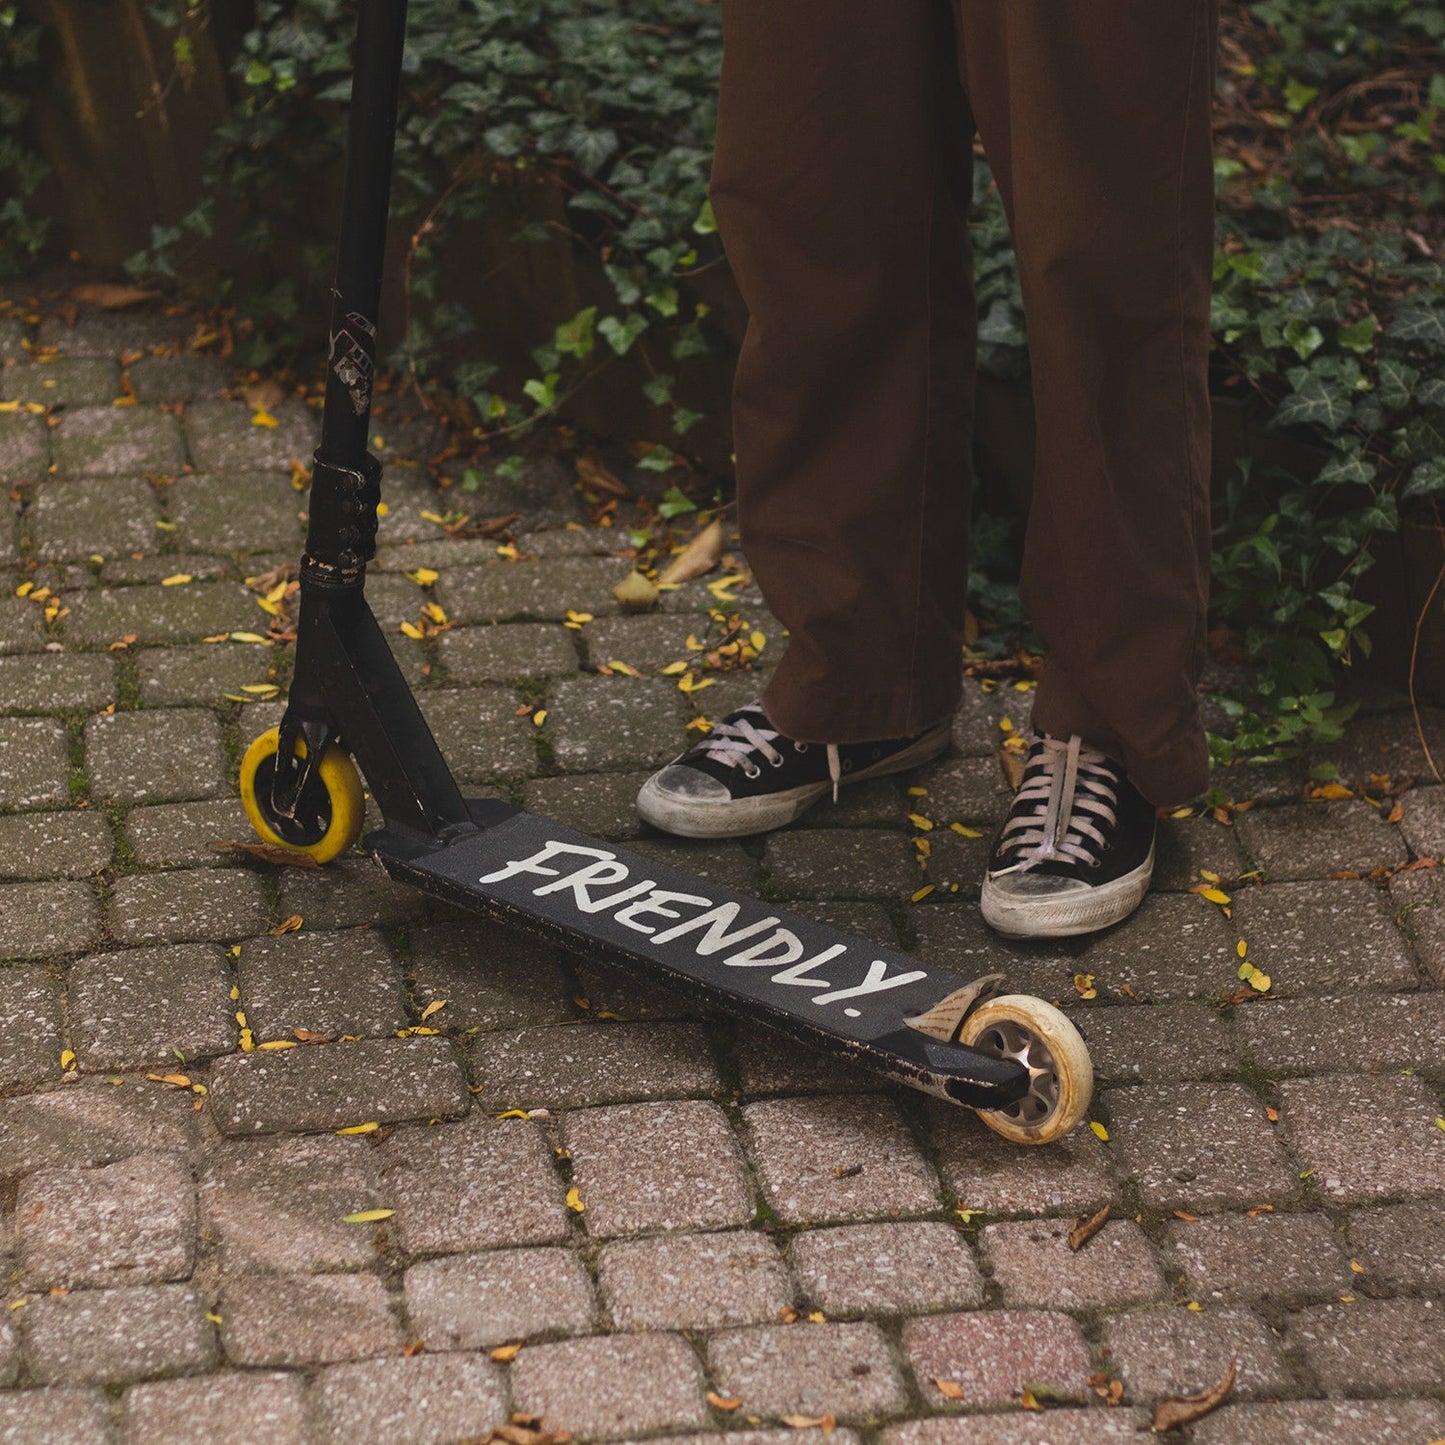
587, 874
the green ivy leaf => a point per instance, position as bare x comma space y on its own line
1427, 480
621, 333
675, 504
575, 337
1396, 383
1360, 336
1305, 338
1313, 404
1421, 324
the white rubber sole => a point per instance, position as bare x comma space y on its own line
764, 812
1071, 913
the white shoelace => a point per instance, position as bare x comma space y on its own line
1067, 792
733, 744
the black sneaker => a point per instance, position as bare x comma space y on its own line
746, 777
1076, 851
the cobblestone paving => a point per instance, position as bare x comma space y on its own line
688, 1228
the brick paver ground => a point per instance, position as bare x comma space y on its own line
594, 1199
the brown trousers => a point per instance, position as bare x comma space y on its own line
841, 186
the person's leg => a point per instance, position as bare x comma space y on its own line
841, 186
1095, 115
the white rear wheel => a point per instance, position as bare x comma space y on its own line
1041, 1038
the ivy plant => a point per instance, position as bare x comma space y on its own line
1329, 304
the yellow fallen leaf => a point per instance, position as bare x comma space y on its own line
949, 1389
513, 1114
264, 418
539, 717
272, 1046
918, 792
722, 1402
368, 1128
367, 1216
435, 612
624, 668
413, 631
177, 579
965, 832
673, 668
214, 1318
503, 1353
1440, 1123
1215, 895
259, 687
1005, 725
574, 1201
1331, 792
920, 894
250, 637
1182, 813
1099, 1130
435, 1006
578, 617
67, 1058
289, 926
688, 683
1241, 948
923, 824
1084, 985
248, 1042
759, 640
424, 576
178, 1081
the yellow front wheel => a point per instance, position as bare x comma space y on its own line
329, 817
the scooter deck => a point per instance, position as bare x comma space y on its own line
815, 983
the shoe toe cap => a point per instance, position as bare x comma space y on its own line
1025, 888
682, 784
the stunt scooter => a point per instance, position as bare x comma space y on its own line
1016, 1059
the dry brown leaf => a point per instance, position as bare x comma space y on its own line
635, 592
1013, 767
267, 853
700, 555
111, 298
593, 474
1086, 1226
1174, 1411
522, 1430
503, 1353
290, 925
309, 1036
1110, 1391
413, 1347
949, 1389
264, 393
722, 1402
826, 1423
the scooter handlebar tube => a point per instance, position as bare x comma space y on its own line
376, 85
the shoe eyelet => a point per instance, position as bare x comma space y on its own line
776, 762
800, 747
752, 771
